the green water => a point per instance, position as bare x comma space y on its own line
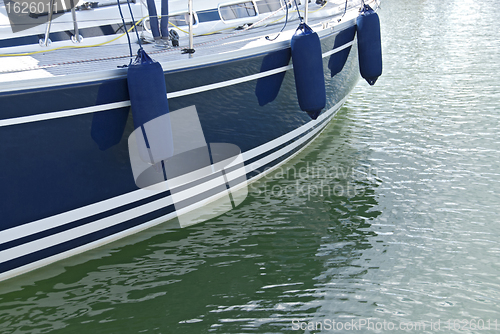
391, 215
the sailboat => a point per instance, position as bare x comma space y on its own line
116, 116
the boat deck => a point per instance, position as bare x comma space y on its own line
17, 72
77, 60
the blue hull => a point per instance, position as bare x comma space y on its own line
67, 183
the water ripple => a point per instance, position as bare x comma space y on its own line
392, 214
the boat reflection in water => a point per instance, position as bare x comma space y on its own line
276, 254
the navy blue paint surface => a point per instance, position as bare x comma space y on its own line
337, 60
68, 245
80, 222
268, 87
108, 126
53, 99
50, 167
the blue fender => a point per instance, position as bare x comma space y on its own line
148, 98
308, 70
369, 45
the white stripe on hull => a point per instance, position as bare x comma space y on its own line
68, 217
181, 93
140, 194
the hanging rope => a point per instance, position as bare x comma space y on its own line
298, 11
134, 25
345, 10
126, 31
286, 21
